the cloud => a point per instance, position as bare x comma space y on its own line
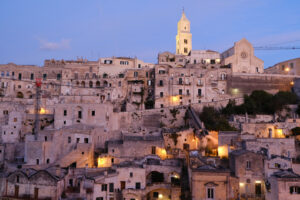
53, 46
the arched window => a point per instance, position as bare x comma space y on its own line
98, 84
20, 95
105, 84
91, 84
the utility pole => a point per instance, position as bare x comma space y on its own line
38, 84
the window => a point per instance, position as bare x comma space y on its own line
93, 113
180, 81
104, 187
77, 140
65, 112
111, 187
185, 50
48, 161
139, 65
20, 76
65, 122
99, 198
187, 92
161, 83
199, 92
131, 174
185, 41
37, 161
161, 105
257, 69
5, 112
153, 150
223, 76
161, 94
7, 73
135, 74
69, 139
15, 119
76, 76
155, 194
18, 179
277, 165
86, 140
292, 65
58, 77
31, 76
294, 190
248, 164
161, 71
180, 91
79, 114
120, 83
46, 138
147, 74
112, 160
212, 61
44, 77
282, 67
210, 193
138, 185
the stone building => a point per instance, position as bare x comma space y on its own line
248, 167
283, 184
288, 67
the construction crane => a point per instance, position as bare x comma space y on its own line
38, 84
276, 48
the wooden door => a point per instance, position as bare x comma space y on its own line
16, 191
36, 193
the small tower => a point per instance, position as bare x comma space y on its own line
184, 36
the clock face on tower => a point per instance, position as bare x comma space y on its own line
244, 55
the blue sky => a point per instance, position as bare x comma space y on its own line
34, 30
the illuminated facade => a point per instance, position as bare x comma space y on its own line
184, 36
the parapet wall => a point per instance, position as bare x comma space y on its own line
240, 84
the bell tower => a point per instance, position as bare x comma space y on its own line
184, 36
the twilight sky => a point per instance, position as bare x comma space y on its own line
34, 30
